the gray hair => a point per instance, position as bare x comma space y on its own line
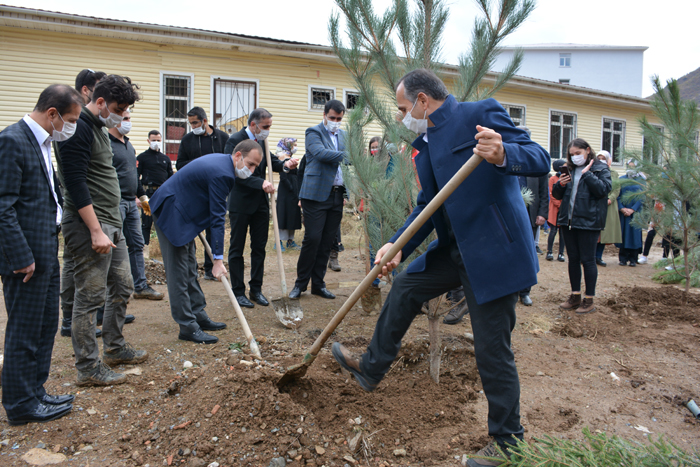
257, 115
425, 81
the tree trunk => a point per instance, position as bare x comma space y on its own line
434, 333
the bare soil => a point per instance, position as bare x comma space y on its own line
228, 409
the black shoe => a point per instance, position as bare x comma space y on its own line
456, 314
539, 250
526, 300
98, 332
550, 256
66, 327
199, 337
622, 263
42, 413
633, 264
341, 248
209, 325
600, 262
295, 293
352, 364
561, 258
259, 298
210, 277
57, 400
322, 292
129, 319
244, 302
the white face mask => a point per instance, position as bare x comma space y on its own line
578, 159
262, 136
199, 130
67, 131
333, 127
124, 128
242, 173
112, 120
416, 125
155, 145
293, 151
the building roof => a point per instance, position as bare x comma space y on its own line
559, 46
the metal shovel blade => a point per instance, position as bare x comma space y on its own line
288, 312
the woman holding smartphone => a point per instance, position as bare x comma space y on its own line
584, 204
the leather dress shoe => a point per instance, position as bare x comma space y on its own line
199, 337
322, 292
209, 325
259, 298
526, 300
600, 262
57, 400
295, 293
352, 363
244, 302
42, 413
129, 319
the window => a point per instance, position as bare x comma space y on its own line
234, 100
318, 96
564, 81
649, 152
177, 100
614, 138
516, 112
564, 60
562, 129
351, 98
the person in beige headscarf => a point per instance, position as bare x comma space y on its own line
612, 233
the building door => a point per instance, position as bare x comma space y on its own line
233, 102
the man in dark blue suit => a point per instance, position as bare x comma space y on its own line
322, 198
193, 200
484, 241
30, 219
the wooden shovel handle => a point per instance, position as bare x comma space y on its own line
275, 225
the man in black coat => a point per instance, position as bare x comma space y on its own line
202, 140
248, 208
30, 219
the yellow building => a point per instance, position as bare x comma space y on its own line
229, 75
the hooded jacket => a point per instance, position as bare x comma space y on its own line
591, 203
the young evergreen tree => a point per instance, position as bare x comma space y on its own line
672, 164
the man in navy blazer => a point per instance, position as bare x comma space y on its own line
30, 219
322, 198
484, 241
189, 202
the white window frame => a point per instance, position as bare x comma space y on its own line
624, 137
549, 128
507, 108
316, 86
565, 56
212, 104
345, 96
161, 104
657, 156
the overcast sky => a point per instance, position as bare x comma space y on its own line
668, 28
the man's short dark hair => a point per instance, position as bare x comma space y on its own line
197, 112
246, 146
115, 88
334, 105
153, 132
59, 96
258, 115
425, 81
88, 78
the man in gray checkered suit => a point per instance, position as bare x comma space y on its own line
30, 219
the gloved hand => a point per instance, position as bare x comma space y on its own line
144, 205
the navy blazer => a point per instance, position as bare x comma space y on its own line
194, 199
322, 161
487, 213
27, 206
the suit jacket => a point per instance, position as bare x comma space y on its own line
487, 213
194, 199
540, 201
322, 161
247, 195
27, 206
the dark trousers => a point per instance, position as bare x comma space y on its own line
550, 239
321, 222
581, 247
258, 223
666, 245
147, 221
649, 242
208, 264
491, 322
338, 241
628, 254
32, 319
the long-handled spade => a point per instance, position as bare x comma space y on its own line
288, 310
299, 370
239, 313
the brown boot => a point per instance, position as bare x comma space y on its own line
333, 261
572, 303
586, 306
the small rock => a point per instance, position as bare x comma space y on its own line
5, 442
320, 451
540, 373
247, 363
91, 411
186, 452
136, 371
277, 462
187, 364
400, 452
41, 445
292, 453
41, 457
213, 464
196, 462
358, 421
352, 442
349, 459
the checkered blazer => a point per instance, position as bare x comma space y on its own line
322, 161
27, 206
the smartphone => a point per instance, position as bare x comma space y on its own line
564, 170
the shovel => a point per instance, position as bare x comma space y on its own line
239, 313
299, 370
288, 310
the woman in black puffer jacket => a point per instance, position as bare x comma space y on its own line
584, 206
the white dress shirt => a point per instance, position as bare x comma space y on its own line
338, 180
44, 140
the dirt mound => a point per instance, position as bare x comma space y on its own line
155, 272
657, 303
